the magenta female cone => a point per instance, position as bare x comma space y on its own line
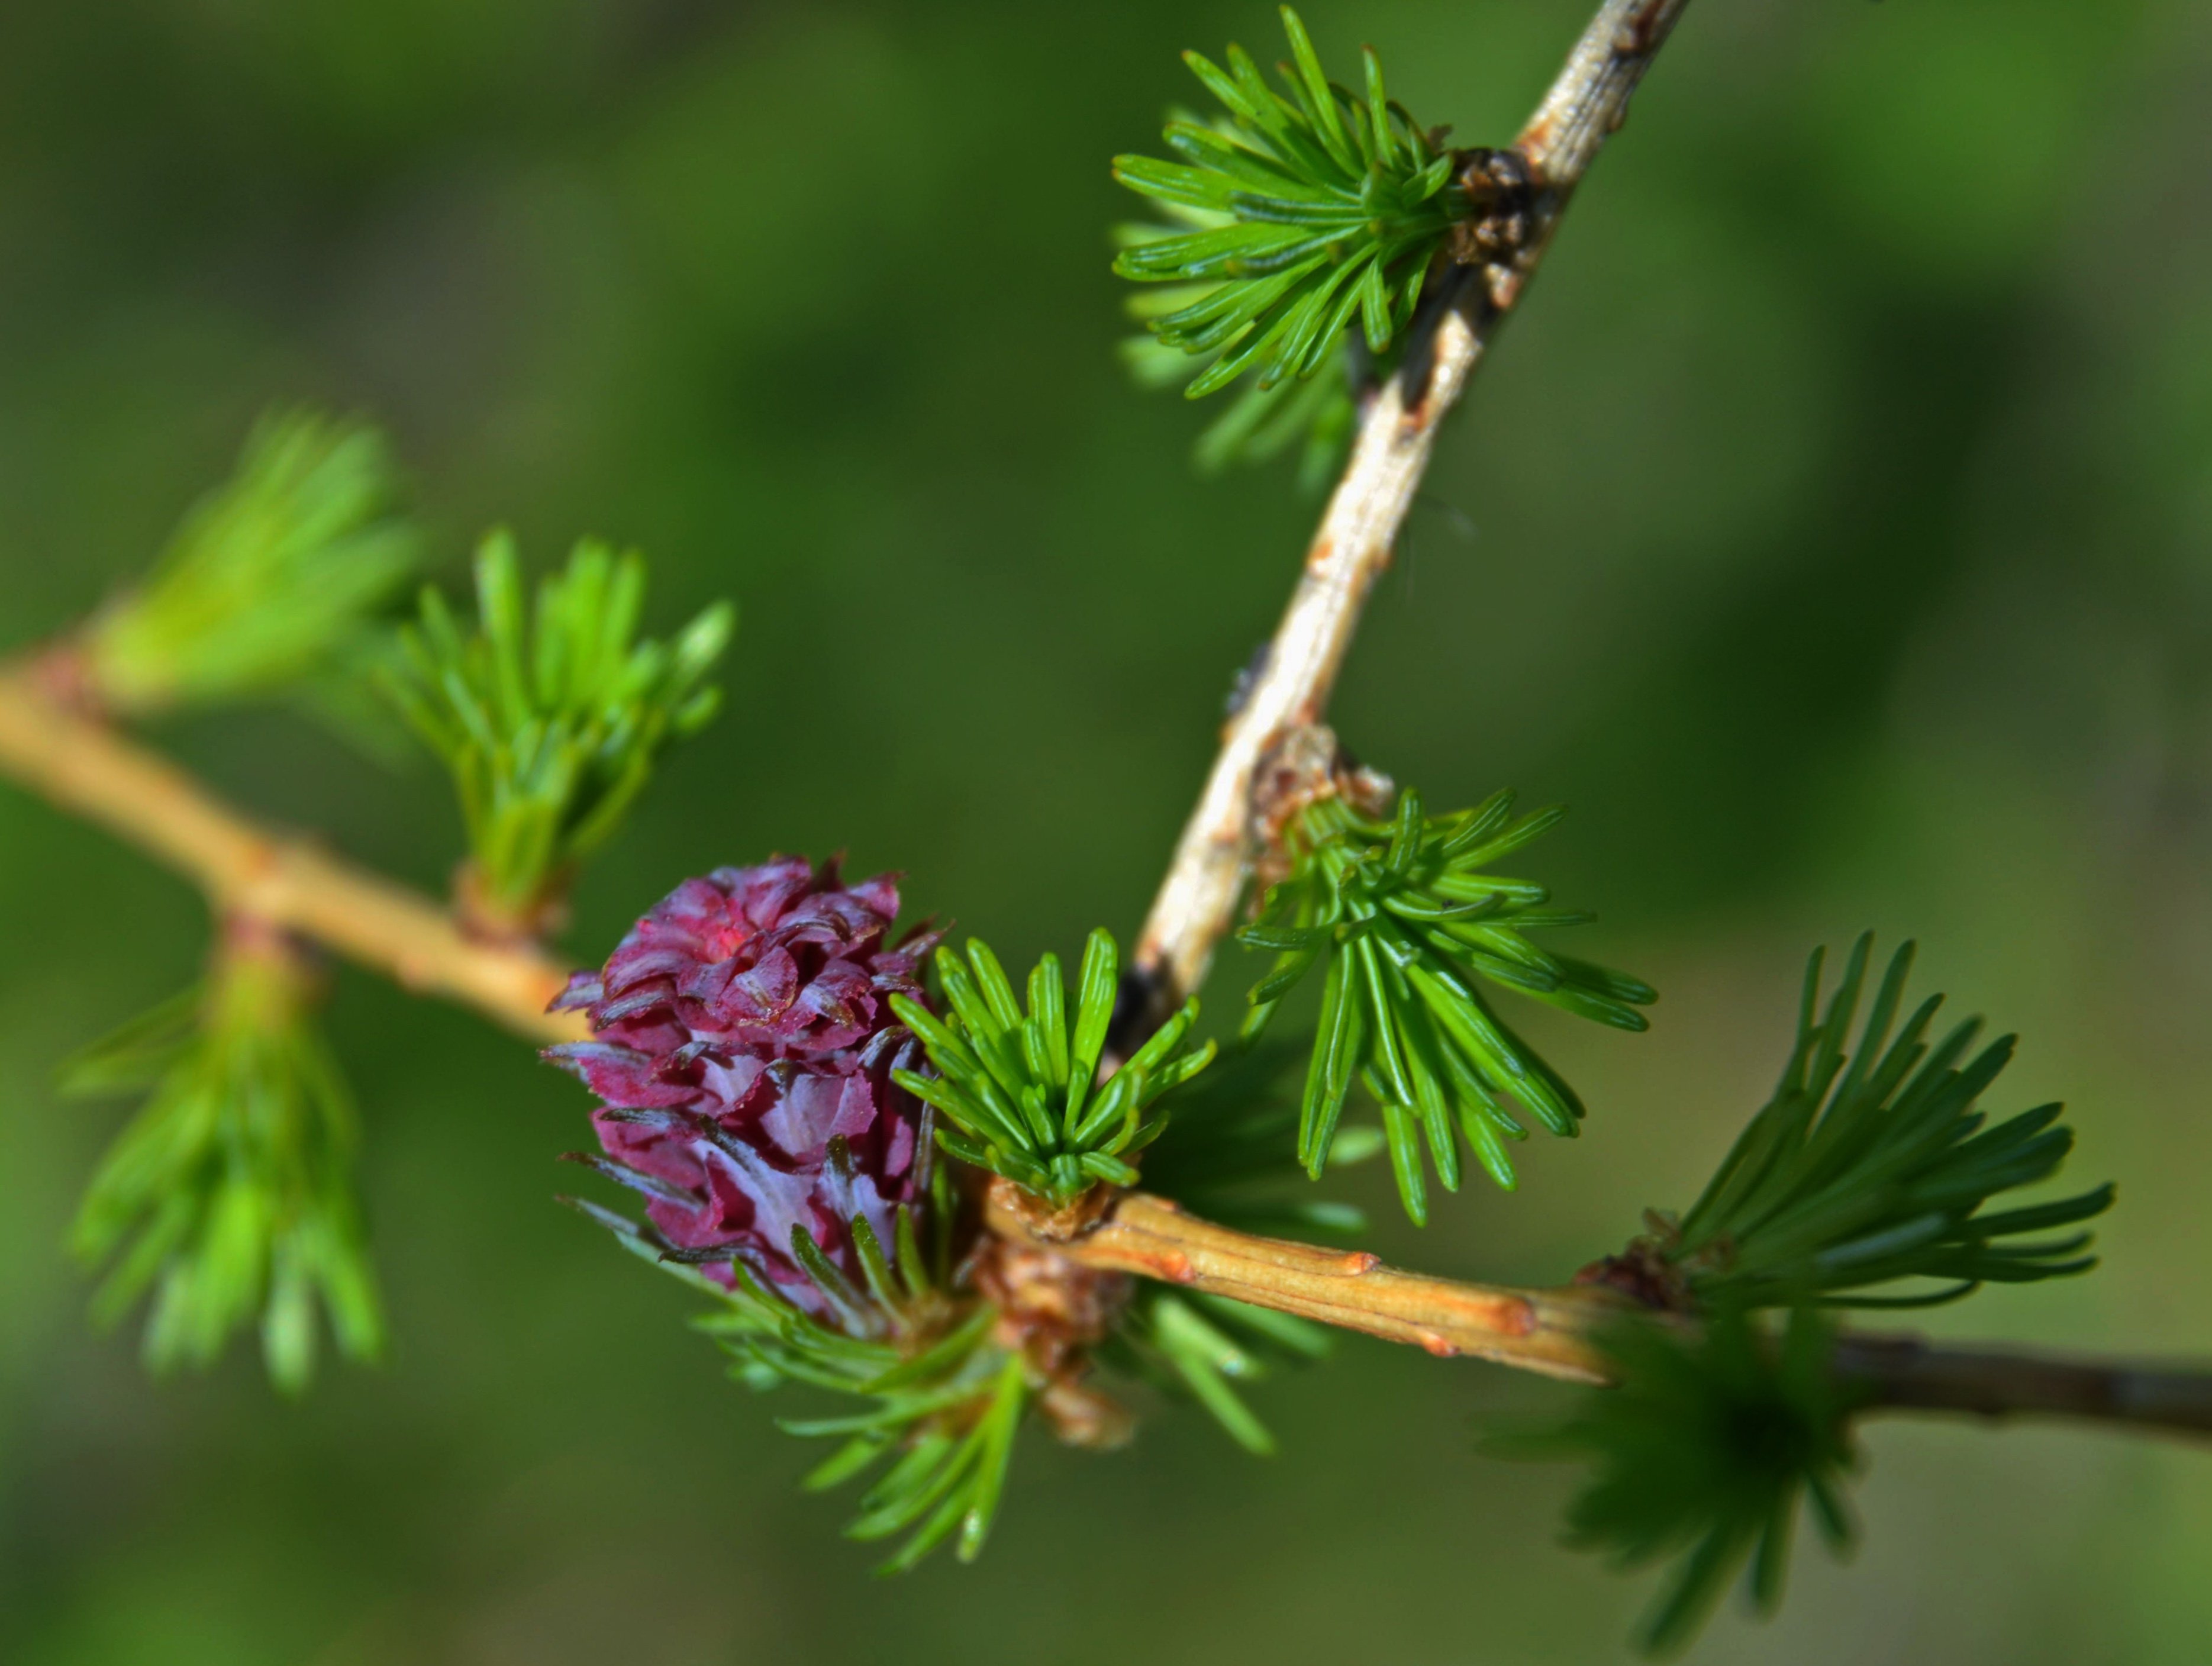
742, 1026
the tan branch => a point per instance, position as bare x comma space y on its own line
248, 869
1555, 1331
1198, 898
1539, 1330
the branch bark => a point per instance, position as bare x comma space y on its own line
1555, 1331
1546, 1331
1197, 900
1911, 1374
280, 879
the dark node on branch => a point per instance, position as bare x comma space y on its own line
1142, 1002
1644, 1273
1639, 35
1500, 192
1418, 363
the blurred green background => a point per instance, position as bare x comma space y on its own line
1834, 530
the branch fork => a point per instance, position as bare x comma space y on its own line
1060, 1273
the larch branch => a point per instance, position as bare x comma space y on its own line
1548, 1331
1911, 1374
1558, 1332
280, 879
1197, 900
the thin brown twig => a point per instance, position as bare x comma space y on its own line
1911, 1374
280, 879
1197, 900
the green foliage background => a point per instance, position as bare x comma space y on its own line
1834, 532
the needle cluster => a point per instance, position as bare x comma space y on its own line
1871, 1167
551, 719
271, 578
1300, 216
944, 1400
1407, 923
1019, 1090
229, 1195
1703, 1453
